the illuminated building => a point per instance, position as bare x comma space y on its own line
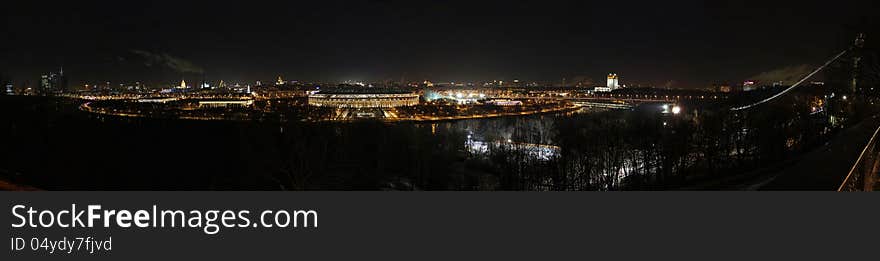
279, 81
53, 83
613, 81
182, 84
601, 89
46, 85
10, 90
221, 104
504, 102
749, 86
363, 99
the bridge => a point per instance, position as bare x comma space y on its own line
603, 105
631, 100
865, 173
857, 145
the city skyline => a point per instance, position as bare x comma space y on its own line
661, 44
394, 95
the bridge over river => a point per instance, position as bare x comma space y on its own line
849, 161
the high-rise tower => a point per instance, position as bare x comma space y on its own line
10, 88
52, 83
857, 60
613, 81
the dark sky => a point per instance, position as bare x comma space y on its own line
693, 43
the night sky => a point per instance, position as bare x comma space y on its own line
688, 43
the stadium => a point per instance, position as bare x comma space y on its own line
363, 98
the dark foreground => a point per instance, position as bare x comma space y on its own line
49, 144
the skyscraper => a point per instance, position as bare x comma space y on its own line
613, 81
52, 83
47, 84
10, 88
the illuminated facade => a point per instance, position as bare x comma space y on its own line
601, 89
363, 100
503, 102
53, 82
220, 104
749, 86
613, 81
